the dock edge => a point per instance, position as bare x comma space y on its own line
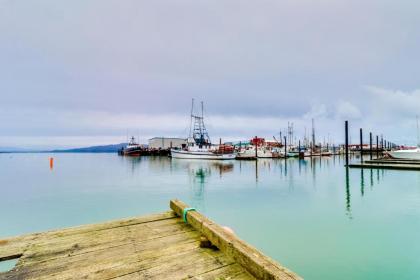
256, 263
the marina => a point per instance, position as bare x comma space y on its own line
291, 210
214, 140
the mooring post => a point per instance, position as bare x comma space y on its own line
346, 137
256, 147
285, 147
370, 145
361, 145
312, 148
377, 146
300, 154
382, 146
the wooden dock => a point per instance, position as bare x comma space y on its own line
159, 246
383, 163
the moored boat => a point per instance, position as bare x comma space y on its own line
405, 154
132, 149
199, 145
408, 153
258, 149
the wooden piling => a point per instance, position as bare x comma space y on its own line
370, 145
361, 145
285, 147
256, 148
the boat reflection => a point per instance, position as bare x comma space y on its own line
199, 174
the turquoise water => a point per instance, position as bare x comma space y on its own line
308, 215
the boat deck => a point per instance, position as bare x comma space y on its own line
159, 246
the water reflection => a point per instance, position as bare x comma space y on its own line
199, 173
379, 175
348, 197
362, 182
293, 175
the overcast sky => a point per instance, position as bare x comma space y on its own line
84, 72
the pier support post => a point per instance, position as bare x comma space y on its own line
361, 145
346, 138
256, 148
370, 145
377, 146
285, 147
382, 144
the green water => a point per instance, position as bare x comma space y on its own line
305, 214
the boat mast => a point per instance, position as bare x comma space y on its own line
199, 132
313, 133
191, 116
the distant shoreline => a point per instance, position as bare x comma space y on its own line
112, 148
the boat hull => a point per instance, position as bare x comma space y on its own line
405, 154
200, 155
131, 152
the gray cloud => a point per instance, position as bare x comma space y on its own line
137, 63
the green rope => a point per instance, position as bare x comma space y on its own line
184, 213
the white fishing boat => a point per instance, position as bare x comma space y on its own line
247, 153
267, 152
405, 154
408, 153
199, 145
258, 150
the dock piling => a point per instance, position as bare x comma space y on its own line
285, 147
346, 131
370, 145
361, 145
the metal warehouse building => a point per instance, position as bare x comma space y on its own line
165, 142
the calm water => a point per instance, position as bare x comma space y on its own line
308, 215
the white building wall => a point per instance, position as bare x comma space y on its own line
165, 143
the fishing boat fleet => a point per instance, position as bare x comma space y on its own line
199, 146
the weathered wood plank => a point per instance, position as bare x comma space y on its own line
259, 265
91, 241
16, 245
109, 263
39, 253
185, 265
231, 272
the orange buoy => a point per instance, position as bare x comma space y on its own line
51, 163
